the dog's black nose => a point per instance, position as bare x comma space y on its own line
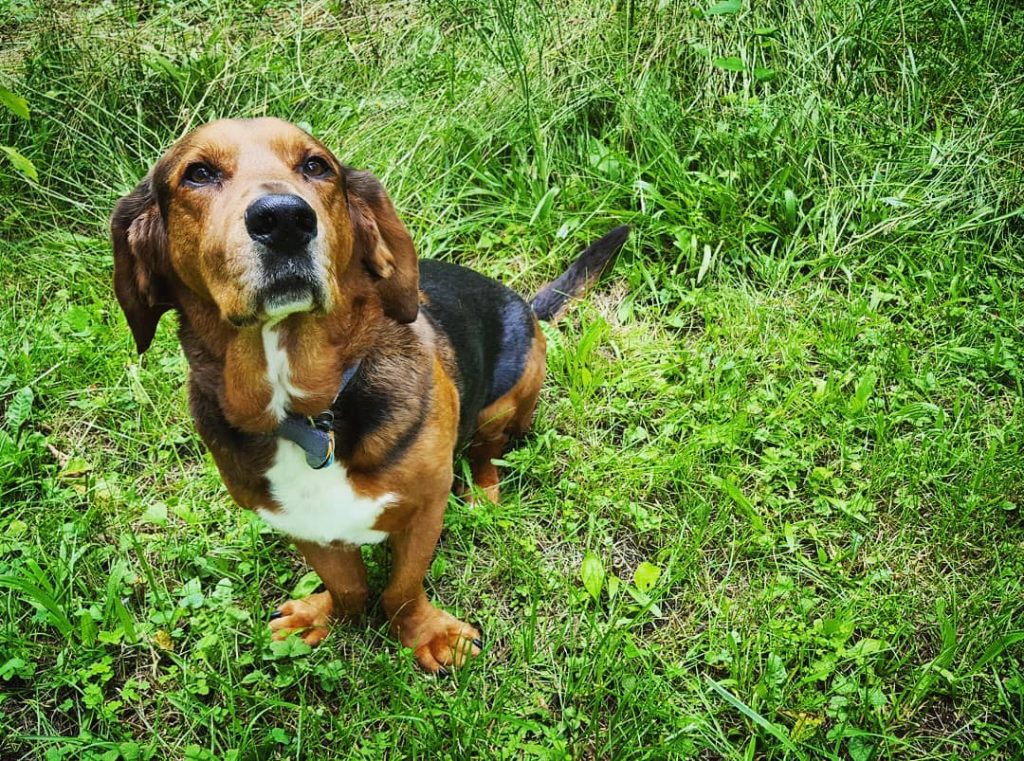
281, 221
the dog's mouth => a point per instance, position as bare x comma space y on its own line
289, 300
289, 287
290, 296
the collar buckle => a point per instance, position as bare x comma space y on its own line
323, 422
329, 458
315, 433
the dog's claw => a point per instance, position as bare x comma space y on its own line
479, 643
276, 614
442, 671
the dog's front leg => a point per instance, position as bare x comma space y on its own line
437, 638
342, 570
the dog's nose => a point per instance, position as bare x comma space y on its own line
281, 221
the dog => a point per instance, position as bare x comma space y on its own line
332, 375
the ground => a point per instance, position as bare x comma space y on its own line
772, 504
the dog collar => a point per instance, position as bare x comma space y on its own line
316, 434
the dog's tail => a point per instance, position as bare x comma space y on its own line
553, 299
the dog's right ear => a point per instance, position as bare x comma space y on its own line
140, 255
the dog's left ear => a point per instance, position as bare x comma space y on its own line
384, 246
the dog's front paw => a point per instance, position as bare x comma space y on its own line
310, 615
437, 639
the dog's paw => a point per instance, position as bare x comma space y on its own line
438, 639
310, 616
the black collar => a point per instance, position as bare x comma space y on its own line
316, 434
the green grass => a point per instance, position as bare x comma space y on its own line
797, 398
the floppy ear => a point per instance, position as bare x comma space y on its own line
384, 245
140, 249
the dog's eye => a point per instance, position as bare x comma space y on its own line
201, 174
315, 167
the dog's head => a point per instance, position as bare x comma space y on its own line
259, 219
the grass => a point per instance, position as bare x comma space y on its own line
772, 504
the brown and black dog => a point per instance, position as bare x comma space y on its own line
332, 375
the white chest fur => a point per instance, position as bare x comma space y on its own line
320, 505
279, 373
315, 505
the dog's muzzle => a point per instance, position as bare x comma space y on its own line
284, 228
